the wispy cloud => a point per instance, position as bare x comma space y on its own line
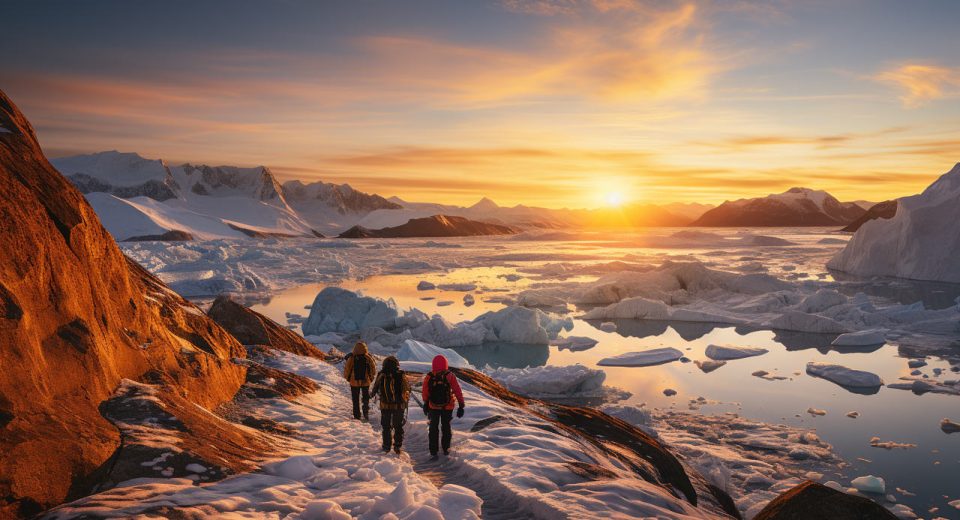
922, 83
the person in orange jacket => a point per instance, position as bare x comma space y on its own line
440, 387
359, 370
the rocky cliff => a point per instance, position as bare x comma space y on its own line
76, 318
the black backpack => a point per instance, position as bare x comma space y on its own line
359, 367
439, 388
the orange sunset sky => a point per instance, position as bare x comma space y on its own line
543, 102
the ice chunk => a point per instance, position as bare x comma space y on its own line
949, 426
916, 363
821, 300
709, 365
608, 326
853, 415
669, 392
728, 352
412, 350
574, 343
340, 310
552, 381
459, 503
860, 338
816, 411
425, 286
844, 376
632, 308
522, 325
657, 356
468, 300
804, 322
441, 332
869, 484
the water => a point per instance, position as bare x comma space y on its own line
930, 470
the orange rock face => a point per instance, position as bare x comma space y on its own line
76, 317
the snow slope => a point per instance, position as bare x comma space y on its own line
794, 207
920, 242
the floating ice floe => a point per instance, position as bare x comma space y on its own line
923, 386
709, 365
816, 411
644, 358
853, 414
425, 286
869, 484
728, 352
459, 287
574, 343
468, 300
860, 339
556, 382
804, 322
412, 350
949, 426
890, 445
844, 376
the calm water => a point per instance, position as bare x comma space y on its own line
931, 470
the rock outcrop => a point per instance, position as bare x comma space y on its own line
886, 209
811, 500
435, 226
252, 329
76, 319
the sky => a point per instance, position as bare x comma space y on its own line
556, 103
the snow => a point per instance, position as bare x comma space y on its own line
728, 352
861, 338
869, 484
644, 358
920, 242
412, 350
844, 376
118, 169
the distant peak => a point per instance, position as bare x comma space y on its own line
485, 203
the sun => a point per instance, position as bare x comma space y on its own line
613, 198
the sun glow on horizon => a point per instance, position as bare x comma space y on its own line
613, 198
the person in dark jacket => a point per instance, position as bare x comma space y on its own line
359, 369
393, 391
440, 387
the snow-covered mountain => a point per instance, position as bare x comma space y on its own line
920, 241
794, 207
434, 226
137, 197
329, 207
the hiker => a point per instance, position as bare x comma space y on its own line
360, 369
393, 391
439, 388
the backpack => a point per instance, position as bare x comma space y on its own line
359, 368
391, 388
439, 389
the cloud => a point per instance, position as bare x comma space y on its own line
920, 83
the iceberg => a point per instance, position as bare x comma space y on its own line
920, 241
339, 310
552, 381
412, 350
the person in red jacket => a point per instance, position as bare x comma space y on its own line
440, 387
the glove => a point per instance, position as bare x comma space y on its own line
460, 412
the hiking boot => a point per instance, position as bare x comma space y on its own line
434, 456
397, 450
386, 449
446, 452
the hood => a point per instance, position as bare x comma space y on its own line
391, 364
360, 348
440, 363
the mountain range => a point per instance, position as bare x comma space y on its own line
147, 199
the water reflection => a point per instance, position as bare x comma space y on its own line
506, 355
934, 295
